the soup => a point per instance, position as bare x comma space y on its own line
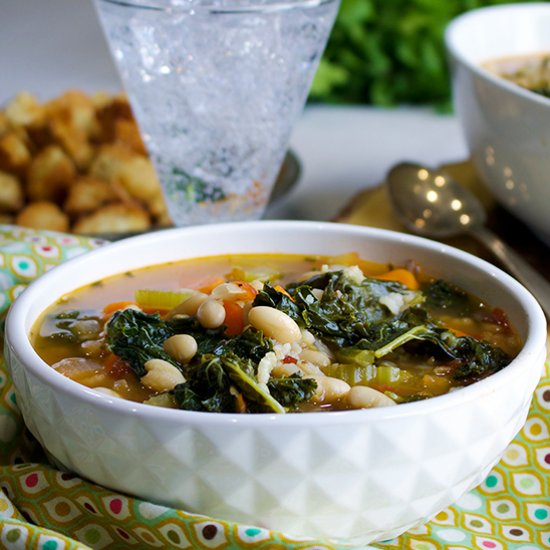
274, 333
531, 71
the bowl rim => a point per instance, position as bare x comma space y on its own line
17, 338
454, 30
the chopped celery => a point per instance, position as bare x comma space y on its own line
355, 356
161, 299
352, 374
390, 376
370, 375
260, 275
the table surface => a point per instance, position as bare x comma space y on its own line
52, 45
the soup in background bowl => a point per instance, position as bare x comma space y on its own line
506, 127
352, 476
531, 72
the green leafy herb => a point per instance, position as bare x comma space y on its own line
193, 188
389, 53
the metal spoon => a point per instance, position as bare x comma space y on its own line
432, 204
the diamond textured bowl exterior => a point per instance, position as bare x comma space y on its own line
356, 476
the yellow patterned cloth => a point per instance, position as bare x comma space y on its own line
46, 509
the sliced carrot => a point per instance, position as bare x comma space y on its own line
234, 318
249, 292
282, 290
208, 284
116, 306
400, 275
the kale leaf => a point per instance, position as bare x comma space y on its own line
194, 189
292, 390
208, 385
271, 297
352, 320
137, 337
221, 361
347, 311
251, 343
477, 357
441, 295
74, 326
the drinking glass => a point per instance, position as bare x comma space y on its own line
216, 86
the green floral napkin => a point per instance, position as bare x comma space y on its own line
43, 508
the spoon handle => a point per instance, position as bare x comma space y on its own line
518, 267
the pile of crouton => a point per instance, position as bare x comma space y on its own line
77, 164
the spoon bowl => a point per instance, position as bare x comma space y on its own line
432, 204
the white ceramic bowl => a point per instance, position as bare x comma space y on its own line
507, 128
355, 476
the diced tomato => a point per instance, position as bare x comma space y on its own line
116, 366
499, 317
234, 318
289, 359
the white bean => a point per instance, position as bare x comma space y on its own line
275, 324
161, 375
286, 369
309, 369
189, 306
181, 347
330, 389
363, 397
318, 293
229, 291
316, 357
211, 314
107, 391
257, 285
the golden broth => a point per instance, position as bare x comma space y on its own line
76, 343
